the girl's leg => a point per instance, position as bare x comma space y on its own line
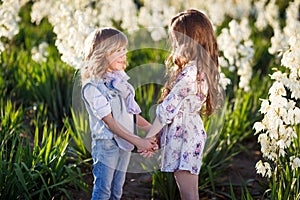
187, 184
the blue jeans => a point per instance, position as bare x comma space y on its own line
109, 169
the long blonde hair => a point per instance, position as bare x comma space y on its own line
101, 43
192, 37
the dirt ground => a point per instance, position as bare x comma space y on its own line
241, 171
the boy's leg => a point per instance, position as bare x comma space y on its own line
120, 175
105, 156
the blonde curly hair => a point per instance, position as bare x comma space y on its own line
101, 43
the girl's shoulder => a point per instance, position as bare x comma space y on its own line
188, 72
191, 67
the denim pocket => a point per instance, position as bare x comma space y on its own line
110, 145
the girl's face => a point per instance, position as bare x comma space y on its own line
117, 60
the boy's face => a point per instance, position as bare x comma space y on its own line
117, 60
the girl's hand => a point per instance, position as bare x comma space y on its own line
147, 154
146, 144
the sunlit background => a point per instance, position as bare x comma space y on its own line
43, 152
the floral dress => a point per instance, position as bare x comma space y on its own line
183, 136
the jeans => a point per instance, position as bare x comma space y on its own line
109, 169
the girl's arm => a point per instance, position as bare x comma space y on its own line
142, 123
156, 127
115, 127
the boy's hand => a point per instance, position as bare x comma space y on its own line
146, 144
149, 152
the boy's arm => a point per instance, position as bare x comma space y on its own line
142, 123
115, 127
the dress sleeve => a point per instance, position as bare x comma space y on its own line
183, 87
96, 101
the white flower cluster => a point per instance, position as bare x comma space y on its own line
72, 21
266, 14
238, 52
236, 9
39, 54
218, 10
279, 41
154, 16
9, 19
281, 114
118, 12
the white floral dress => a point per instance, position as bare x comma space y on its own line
183, 136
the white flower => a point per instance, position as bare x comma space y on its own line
40, 53
277, 89
224, 81
265, 106
263, 168
297, 115
278, 42
260, 168
278, 75
281, 144
258, 126
265, 143
294, 162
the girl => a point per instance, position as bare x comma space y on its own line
191, 89
103, 79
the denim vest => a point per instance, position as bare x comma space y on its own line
98, 128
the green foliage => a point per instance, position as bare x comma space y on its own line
51, 84
31, 35
78, 128
43, 143
35, 162
10, 130
164, 186
28, 82
33, 166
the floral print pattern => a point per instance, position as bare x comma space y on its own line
183, 137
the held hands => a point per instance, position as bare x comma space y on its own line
155, 129
149, 152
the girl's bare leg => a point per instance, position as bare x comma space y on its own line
187, 184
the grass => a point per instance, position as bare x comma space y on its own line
43, 139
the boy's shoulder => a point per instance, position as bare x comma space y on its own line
92, 84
